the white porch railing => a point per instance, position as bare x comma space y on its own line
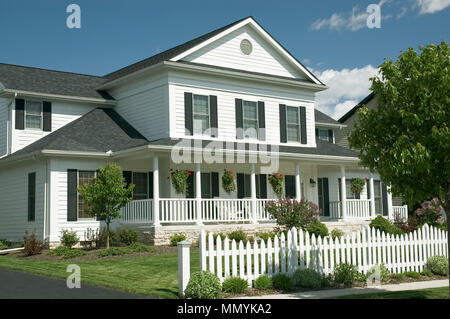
138, 211
226, 210
175, 210
401, 212
358, 208
335, 209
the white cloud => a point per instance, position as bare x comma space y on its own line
347, 87
353, 21
432, 6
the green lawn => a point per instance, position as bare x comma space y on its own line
431, 293
150, 275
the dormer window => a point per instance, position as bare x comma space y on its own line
33, 115
325, 134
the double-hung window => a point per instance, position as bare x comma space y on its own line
323, 134
84, 177
293, 124
377, 196
140, 180
33, 115
250, 119
201, 114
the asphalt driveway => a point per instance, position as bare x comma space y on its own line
22, 285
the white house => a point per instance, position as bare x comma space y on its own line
235, 97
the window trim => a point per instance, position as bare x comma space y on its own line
299, 125
41, 116
194, 133
78, 197
257, 121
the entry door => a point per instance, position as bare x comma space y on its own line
289, 186
324, 196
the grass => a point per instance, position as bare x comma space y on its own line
156, 275
431, 293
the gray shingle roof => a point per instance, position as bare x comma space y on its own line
30, 79
100, 130
366, 100
323, 147
323, 118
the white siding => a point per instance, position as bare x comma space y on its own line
226, 52
144, 104
227, 91
58, 205
14, 200
3, 126
62, 114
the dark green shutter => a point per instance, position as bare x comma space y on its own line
213, 115
289, 185
317, 133
150, 184
304, 139
240, 185
191, 186
283, 133
326, 197
384, 198
72, 200
188, 115
368, 189
330, 136
47, 116
261, 121
262, 186
215, 184
20, 114
339, 189
31, 196
239, 120
127, 177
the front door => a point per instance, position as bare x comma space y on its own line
324, 196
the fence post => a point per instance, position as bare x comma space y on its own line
184, 266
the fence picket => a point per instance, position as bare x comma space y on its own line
249, 263
301, 248
241, 260
283, 253
269, 257
255, 260
263, 257
234, 258
219, 257
276, 251
226, 254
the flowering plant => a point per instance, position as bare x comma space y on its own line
357, 185
276, 180
228, 183
179, 180
431, 213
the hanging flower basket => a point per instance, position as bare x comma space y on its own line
228, 182
277, 181
357, 185
179, 181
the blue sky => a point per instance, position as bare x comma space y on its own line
329, 36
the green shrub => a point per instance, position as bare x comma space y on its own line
282, 282
412, 274
427, 272
384, 272
326, 281
307, 278
128, 236
345, 274
114, 251
140, 248
264, 236
3, 246
6, 243
113, 238
293, 213
336, 233
361, 277
318, 229
238, 235
176, 238
384, 225
438, 265
398, 276
263, 282
235, 285
69, 238
66, 252
203, 285
222, 237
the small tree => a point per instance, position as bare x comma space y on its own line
106, 194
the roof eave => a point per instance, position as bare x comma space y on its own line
340, 126
13, 92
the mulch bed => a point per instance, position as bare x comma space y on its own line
92, 255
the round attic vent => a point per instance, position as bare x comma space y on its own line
246, 47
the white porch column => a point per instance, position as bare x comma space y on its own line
253, 193
389, 202
298, 193
156, 222
343, 194
198, 193
372, 196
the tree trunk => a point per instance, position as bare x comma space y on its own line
446, 205
107, 235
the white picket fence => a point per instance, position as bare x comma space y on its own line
298, 249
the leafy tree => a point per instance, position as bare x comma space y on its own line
407, 138
106, 194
